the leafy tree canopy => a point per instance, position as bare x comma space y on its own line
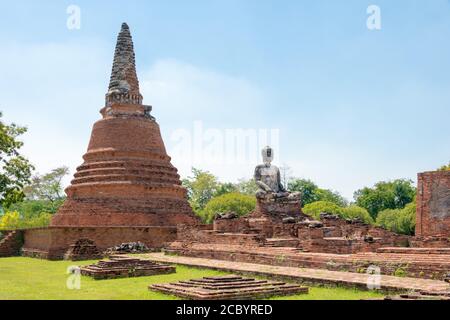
385, 195
445, 167
48, 186
15, 170
312, 193
201, 187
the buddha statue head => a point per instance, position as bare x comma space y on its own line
267, 155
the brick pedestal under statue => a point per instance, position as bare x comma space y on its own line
126, 189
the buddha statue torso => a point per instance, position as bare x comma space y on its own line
267, 177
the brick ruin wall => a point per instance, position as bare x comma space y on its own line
433, 205
52, 243
11, 242
336, 235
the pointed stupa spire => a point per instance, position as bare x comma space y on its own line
124, 84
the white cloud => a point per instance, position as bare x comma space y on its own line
183, 95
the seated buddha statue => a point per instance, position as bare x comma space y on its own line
267, 177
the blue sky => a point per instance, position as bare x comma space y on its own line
353, 106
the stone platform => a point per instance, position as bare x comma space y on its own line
428, 266
125, 267
230, 287
423, 295
306, 275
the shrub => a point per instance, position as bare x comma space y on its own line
10, 220
353, 212
399, 220
316, 208
238, 203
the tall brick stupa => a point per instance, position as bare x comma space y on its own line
127, 178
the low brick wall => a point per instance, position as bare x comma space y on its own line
52, 243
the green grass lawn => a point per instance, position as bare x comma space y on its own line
26, 278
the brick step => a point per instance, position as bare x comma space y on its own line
292, 257
119, 267
414, 250
235, 288
127, 177
11, 244
282, 242
154, 165
167, 172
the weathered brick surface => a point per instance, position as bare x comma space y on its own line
229, 287
53, 243
331, 235
433, 204
307, 275
125, 267
11, 243
430, 266
126, 178
83, 249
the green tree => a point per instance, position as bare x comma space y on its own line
312, 193
307, 188
331, 196
15, 170
238, 203
10, 220
29, 209
248, 187
201, 187
399, 220
14, 220
385, 195
445, 167
48, 186
224, 188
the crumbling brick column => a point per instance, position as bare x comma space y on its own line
433, 204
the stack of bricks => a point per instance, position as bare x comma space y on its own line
11, 244
124, 267
83, 249
228, 288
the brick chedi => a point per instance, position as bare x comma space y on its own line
127, 177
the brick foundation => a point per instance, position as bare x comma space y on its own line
428, 266
52, 243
